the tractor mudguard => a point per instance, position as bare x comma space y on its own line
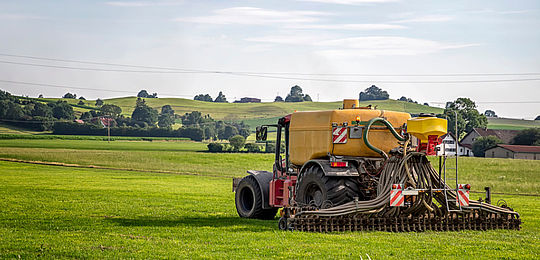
331, 171
263, 178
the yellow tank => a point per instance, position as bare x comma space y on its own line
311, 133
422, 127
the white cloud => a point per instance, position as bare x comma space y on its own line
350, 2
427, 19
328, 46
359, 27
255, 16
142, 3
384, 46
291, 39
19, 17
491, 11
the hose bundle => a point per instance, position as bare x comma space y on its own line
414, 170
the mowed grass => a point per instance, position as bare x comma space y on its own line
59, 212
191, 157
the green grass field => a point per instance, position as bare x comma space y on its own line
70, 212
512, 124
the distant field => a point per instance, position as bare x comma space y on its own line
9, 129
512, 124
191, 157
66, 212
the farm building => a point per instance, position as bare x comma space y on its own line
448, 146
248, 100
514, 151
505, 135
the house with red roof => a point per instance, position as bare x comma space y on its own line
505, 135
528, 152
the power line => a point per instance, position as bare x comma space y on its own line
81, 88
251, 73
190, 96
95, 69
262, 75
392, 82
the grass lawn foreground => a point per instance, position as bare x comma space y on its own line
65, 212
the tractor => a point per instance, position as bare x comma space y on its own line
360, 168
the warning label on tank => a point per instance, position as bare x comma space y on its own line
339, 135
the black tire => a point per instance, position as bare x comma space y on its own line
248, 200
316, 189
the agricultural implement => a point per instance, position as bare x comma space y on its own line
358, 168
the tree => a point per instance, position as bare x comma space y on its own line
295, 95
86, 116
144, 113
373, 93
69, 95
278, 99
227, 132
307, 98
426, 104
82, 98
481, 144
490, 113
143, 94
13, 111
167, 110
42, 110
237, 142
467, 116
529, 136
204, 97
62, 110
99, 102
537, 118
221, 98
166, 117
111, 110
40, 96
81, 103
193, 118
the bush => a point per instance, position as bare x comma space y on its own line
215, 147
237, 142
252, 148
192, 132
481, 144
271, 148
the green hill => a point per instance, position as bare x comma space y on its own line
250, 111
255, 114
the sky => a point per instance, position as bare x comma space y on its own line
333, 49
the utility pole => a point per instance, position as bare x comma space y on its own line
109, 130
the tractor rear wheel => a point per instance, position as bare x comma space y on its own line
316, 189
249, 200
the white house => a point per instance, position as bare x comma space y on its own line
448, 146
